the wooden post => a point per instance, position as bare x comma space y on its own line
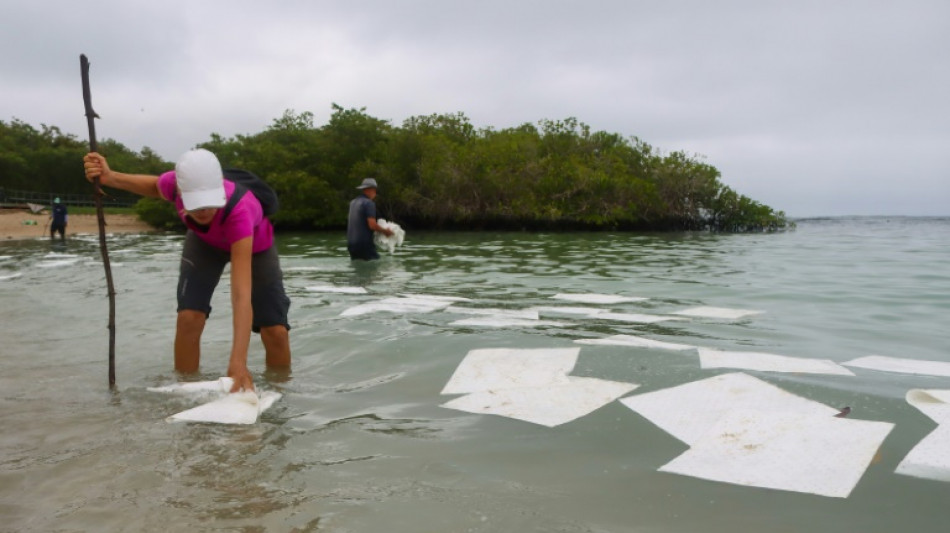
97, 192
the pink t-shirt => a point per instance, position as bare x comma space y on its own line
246, 219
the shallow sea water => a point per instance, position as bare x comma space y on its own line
359, 443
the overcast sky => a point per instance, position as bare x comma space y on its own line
830, 107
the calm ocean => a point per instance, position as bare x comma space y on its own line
359, 442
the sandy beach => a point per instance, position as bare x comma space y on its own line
15, 224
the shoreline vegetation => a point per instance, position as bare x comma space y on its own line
435, 172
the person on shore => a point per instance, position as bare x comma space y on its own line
59, 218
220, 230
362, 223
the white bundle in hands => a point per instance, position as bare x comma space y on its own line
389, 242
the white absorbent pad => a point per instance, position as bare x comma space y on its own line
717, 312
903, 366
710, 358
234, 408
10, 276
508, 368
507, 322
550, 405
567, 310
334, 289
638, 342
228, 408
635, 318
389, 242
596, 298
930, 459
689, 411
526, 314
399, 305
793, 451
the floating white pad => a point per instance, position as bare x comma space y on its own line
235, 408
717, 312
340, 290
550, 406
767, 362
507, 322
596, 298
10, 276
799, 452
508, 368
527, 314
437, 297
930, 459
57, 263
398, 305
639, 342
903, 366
389, 242
688, 411
635, 318
582, 311
219, 386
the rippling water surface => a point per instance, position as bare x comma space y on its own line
359, 443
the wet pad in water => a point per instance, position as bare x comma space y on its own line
767, 362
930, 459
901, 366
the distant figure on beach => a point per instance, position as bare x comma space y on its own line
361, 224
225, 224
59, 218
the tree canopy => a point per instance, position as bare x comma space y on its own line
436, 172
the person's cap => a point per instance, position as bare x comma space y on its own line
368, 183
56, 200
200, 179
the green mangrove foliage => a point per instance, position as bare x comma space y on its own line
439, 171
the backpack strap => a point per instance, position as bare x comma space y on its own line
239, 192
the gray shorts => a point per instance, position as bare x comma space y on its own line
201, 268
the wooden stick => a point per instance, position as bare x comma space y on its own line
94, 147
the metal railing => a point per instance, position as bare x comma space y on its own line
20, 198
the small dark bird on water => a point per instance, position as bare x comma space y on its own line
845, 411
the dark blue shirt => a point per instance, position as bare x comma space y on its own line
59, 214
357, 229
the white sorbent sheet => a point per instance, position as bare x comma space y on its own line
794, 451
508, 368
333, 289
558, 310
596, 298
639, 342
389, 242
930, 459
903, 366
710, 358
507, 322
527, 314
406, 304
228, 408
550, 406
234, 408
57, 263
717, 312
10, 276
635, 318
688, 411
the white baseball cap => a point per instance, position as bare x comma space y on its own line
200, 179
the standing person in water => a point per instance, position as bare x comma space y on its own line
59, 218
362, 223
245, 238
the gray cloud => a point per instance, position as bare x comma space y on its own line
816, 108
